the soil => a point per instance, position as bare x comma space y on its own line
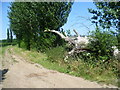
24, 74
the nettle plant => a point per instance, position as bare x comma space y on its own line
101, 43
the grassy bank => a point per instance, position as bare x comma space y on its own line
53, 59
2, 50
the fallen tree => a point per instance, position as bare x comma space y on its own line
77, 42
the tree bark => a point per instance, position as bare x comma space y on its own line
28, 44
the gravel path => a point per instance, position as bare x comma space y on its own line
23, 74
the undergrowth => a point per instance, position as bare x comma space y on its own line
2, 50
100, 71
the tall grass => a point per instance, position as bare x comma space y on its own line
98, 70
54, 59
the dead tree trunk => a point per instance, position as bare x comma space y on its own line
78, 42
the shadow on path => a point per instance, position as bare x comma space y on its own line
2, 74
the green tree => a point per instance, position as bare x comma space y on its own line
29, 20
11, 36
8, 36
107, 16
101, 43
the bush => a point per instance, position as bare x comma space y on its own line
6, 43
101, 43
56, 54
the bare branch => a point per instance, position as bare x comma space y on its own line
54, 31
77, 42
76, 32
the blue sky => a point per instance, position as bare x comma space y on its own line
77, 18
5, 20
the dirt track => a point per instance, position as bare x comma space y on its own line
23, 74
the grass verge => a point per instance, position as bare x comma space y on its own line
2, 50
39, 58
53, 59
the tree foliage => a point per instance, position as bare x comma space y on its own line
101, 43
29, 20
9, 36
107, 16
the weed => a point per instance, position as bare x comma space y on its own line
99, 71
